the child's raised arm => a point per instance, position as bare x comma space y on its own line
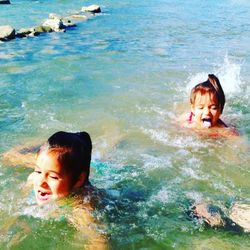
22, 155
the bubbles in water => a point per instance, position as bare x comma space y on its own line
196, 196
164, 195
43, 212
151, 162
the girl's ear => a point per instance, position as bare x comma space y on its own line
81, 180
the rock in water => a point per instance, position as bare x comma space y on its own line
24, 32
65, 21
4, 2
7, 33
79, 17
92, 8
55, 24
34, 31
240, 214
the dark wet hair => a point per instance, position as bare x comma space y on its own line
73, 151
212, 86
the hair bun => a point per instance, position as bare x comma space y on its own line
85, 137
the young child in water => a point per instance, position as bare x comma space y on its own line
62, 169
62, 166
207, 100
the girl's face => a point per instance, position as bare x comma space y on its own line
49, 180
206, 110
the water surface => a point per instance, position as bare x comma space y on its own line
124, 76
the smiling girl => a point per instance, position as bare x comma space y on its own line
62, 170
62, 166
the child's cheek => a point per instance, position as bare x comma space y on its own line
197, 113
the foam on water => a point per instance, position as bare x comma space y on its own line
164, 195
177, 141
196, 196
151, 162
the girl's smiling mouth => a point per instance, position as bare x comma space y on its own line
43, 196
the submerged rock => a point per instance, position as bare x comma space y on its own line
7, 32
4, 2
92, 8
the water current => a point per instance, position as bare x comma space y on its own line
124, 76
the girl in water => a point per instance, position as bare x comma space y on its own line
62, 170
207, 100
62, 166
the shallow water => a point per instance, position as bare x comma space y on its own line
124, 76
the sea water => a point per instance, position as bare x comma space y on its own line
124, 76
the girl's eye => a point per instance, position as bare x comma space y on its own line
200, 107
54, 177
37, 171
214, 107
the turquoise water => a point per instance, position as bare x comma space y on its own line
124, 76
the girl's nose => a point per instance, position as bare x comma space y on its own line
206, 111
43, 181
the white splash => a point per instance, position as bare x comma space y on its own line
228, 73
229, 76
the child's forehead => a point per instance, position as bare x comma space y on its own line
204, 97
48, 157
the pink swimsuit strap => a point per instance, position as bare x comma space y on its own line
190, 117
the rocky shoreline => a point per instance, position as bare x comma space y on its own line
4, 2
54, 23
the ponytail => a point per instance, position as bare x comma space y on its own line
214, 81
